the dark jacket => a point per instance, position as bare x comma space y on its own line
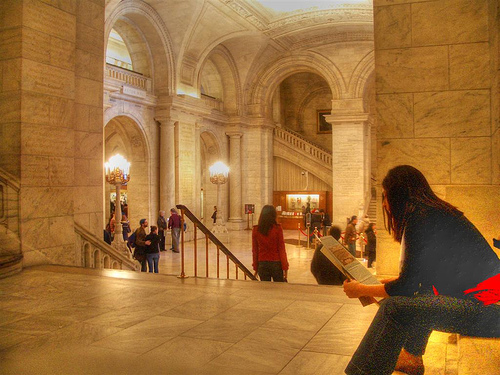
443, 251
162, 223
371, 238
154, 247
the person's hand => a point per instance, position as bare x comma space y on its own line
285, 274
148, 242
255, 273
352, 289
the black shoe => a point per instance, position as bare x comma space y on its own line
175, 251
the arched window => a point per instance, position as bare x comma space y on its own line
117, 53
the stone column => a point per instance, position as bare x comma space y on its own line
235, 205
167, 164
348, 151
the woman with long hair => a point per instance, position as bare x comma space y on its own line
449, 279
371, 243
268, 247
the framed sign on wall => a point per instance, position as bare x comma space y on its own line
323, 125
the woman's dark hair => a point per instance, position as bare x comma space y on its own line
153, 228
335, 232
267, 219
405, 187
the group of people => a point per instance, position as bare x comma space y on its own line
449, 276
351, 237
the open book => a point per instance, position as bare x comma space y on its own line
348, 265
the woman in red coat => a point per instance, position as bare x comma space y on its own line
268, 247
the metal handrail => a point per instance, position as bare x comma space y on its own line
220, 247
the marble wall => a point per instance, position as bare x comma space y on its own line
435, 64
52, 55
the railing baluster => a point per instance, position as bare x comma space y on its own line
236, 271
206, 252
227, 267
217, 261
195, 251
182, 275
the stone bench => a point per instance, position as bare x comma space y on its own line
478, 356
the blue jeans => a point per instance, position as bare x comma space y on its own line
407, 322
352, 248
153, 259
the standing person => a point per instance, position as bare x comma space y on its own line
214, 215
268, 247
153, 250
162, 227
371, 246
174, 223
350, 235
326, 222
322, 269
125, 227
449, 279
141, 243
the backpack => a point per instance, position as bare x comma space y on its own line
131, 240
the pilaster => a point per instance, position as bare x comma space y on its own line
235, 205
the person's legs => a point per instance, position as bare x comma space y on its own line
175, 239
276, 272
161, 233
264, 271
156, 259
144, 265
401, 317
149, 258
352, 248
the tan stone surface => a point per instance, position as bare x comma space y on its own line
379, 3
424, 154
62, 53
35, 140
452, 113
469, 66
10, 43
61, 230
478, 355
10, 14
40, 202
88, 145
393, 26
46, 79
89, 39
35, 170
36, 233
471, 160
35, 108
89, 65
395, 116
62, 171
62, 112
410, 70
496, 157
90, 13
36, 45
449, 22
11, 75
10, 107
87, 199
88, 91
49, 19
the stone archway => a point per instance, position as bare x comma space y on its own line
123, 136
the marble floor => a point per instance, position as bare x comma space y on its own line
68, 320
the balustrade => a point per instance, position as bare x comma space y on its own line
302, 144
128, 77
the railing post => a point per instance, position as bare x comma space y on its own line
206, 252
218, 252
182, 275
195, 251
227, 267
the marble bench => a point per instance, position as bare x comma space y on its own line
478, 356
